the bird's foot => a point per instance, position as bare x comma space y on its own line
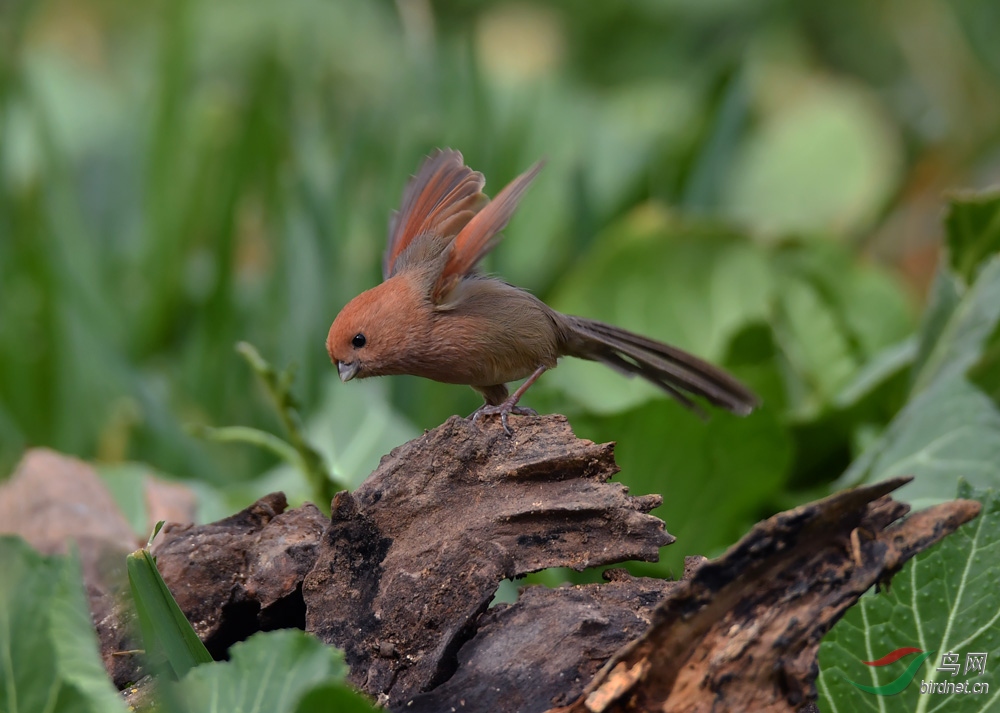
509, 405
505, 409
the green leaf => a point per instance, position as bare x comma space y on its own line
166, 632
355, 425
717, 474
887, 364
950, 428
950, 431
973, 227
964, 336
945, 296
985, 373
332, 697
942, 601
49, 659
825, 323
826, 161
270, 671
815, 345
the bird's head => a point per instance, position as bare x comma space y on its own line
371, 333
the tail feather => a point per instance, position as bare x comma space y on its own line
671, 369
629, 368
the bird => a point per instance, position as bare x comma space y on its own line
437, 316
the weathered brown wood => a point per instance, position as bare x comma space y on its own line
402, 575
413, 557
242, 574
742, 633
544, 649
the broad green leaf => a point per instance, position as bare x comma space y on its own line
717, 475
950, 431
355, 425
964, 336
950, 428
986, 372
334, 697
943, 601
270, 671
945, 295
814, 343
853, 288
825, 323
973, 227
887, 364
73, 635
49, 659
824, 162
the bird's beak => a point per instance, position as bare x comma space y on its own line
347, 370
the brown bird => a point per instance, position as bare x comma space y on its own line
435, 316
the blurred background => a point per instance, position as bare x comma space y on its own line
759, 182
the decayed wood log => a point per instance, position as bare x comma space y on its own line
743, 631
543, 649
242, 574
402, 575
413, 557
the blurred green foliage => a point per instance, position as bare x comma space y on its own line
758, 182
949, 428
50, 659
278, 671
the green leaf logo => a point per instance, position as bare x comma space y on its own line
897, 686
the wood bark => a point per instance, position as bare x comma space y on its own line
403, 573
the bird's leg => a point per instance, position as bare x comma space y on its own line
509, 406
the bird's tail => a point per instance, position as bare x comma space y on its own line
675, 371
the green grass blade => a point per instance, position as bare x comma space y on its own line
166, 632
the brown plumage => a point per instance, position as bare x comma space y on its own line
434, 316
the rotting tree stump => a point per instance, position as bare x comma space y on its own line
402, 575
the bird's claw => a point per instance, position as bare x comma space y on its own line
504, 409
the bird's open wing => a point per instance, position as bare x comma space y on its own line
440, 200
481, 233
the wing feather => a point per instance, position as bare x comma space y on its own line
440, 200
481, 233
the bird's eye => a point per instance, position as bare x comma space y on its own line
358, 341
